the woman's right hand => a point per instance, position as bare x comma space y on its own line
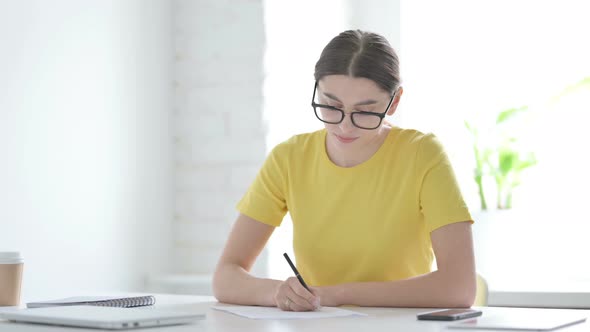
292, 296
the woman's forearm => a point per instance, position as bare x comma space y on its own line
233, 284
432, 290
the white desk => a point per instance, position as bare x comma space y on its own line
379, 319
534, 293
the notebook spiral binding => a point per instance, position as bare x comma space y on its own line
129, 302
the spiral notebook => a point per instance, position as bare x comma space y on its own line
105, 301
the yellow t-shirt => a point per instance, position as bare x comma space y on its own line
370, 222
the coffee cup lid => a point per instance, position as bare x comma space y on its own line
10, 257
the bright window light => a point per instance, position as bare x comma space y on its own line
467, 60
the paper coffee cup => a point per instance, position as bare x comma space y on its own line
11, 273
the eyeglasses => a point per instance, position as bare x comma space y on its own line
334, 115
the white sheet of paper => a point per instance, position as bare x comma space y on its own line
256, 312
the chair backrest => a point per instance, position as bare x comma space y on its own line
481, 296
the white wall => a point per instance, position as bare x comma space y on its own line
380, 16
85, 176
219, 136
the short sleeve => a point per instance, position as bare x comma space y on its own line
265, 199
441, 201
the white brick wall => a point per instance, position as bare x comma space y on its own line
219, 137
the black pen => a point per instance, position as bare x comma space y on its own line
296, 272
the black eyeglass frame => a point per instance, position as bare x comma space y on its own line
379, 115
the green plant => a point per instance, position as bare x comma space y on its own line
500, 157
499, 154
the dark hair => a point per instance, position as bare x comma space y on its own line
359, 53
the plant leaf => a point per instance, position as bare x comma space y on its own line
506, 160
471, 128
525, 163
509, 113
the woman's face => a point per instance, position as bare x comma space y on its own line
352, 94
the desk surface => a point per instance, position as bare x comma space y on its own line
564, 293
378, 319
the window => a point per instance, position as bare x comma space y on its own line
468, 60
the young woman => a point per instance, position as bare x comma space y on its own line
372, 204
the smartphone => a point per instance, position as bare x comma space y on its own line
449, 314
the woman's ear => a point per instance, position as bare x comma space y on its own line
395, 102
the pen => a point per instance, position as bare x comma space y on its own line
295, 271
